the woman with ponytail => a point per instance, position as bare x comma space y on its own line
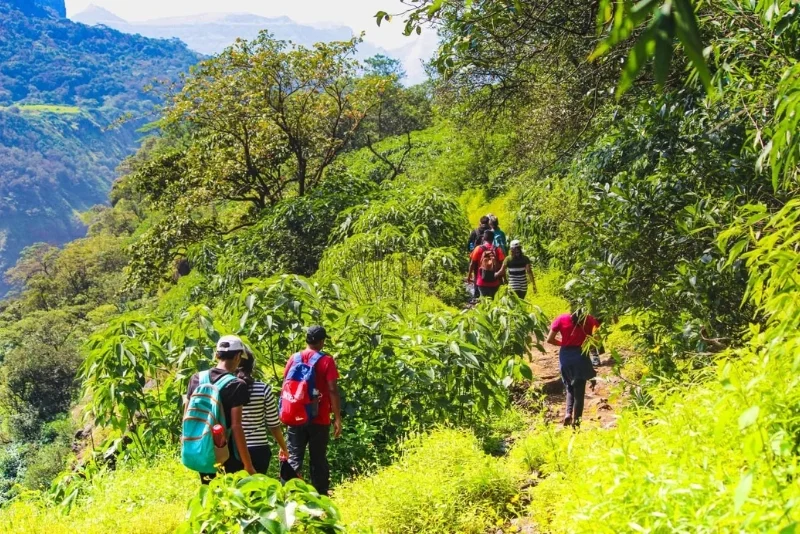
570, 331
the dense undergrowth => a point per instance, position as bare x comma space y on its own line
654, 211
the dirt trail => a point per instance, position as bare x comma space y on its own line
600, 408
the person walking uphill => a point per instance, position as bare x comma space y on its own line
258, 415
576, 368
518, 268
486, 261
309, 396
476, 236
499, 235
207, 390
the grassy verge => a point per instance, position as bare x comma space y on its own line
140, 500
443, 482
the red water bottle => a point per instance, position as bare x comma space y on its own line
219, 436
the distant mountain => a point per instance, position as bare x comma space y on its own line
211, 33
63, 86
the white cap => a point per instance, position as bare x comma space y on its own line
515, 243
229, 343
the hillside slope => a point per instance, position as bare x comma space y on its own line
62, 88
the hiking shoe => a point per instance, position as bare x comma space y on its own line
596, 360
568, 420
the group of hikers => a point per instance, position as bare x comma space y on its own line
228, 412
491, 265
493, 261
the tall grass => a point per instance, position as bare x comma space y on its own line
147, 499
442, 483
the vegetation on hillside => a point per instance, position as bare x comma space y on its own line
63, 88
663, 203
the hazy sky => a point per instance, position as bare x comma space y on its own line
358, 14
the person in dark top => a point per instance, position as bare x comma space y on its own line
518, 268
230, 351
576, 369
476, 237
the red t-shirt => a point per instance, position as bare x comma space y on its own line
324, 371
572, 335
476, 256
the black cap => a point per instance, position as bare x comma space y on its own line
315, 334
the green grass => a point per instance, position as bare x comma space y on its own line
443, 482
149, 499
477, 205
49, 108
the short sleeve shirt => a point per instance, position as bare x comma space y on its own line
476, 256
236, 393
573, 335
324, 371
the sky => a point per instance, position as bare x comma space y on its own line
357, 14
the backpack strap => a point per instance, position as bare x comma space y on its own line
224, 380
204, 377
315, 358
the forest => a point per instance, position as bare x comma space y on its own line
71, 101
646, 156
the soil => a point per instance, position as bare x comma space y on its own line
600, 408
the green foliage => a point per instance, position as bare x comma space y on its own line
63, 85
143, 499
250, 504
443, 482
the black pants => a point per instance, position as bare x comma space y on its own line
260, 457
316, 437
231, 466
488, 292
575, 397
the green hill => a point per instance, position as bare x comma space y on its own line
63, 87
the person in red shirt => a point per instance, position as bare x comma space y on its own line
487, 282
570, 331
316, 434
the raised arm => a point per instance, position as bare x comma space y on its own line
551, 338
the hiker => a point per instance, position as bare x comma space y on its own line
485, 262
518, 269
314, 430
476, 236
576, 369
218, 385
499, 235
258, 415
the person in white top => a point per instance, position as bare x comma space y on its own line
258, 415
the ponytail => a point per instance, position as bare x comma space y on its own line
245, 371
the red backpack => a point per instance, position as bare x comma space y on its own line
489, 264
299, 402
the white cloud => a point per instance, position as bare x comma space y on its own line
357, 14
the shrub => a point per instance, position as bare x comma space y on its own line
259, 504
146, 499
443, 482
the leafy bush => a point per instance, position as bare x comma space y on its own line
443, 482
144, 499
258, 504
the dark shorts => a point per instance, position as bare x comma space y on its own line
231, 466
488, 292
521, 293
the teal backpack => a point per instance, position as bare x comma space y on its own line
204, 411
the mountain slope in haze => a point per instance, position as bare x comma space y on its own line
63, 86
211, 33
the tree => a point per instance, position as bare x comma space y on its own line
261, 119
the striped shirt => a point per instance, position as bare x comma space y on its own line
259, 415
517, 272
